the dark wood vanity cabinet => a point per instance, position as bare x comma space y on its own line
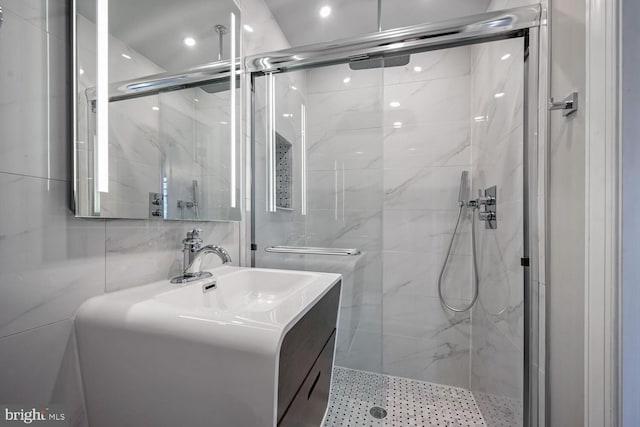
306, 362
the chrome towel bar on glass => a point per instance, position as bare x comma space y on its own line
312, 250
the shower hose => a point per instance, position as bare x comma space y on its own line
475, 263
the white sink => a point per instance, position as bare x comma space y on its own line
242, 291
167, 355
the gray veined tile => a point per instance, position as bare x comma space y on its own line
496, 364
329, 149
27, 376
50, 262
427, 144
33, 103
341, 78
345, 229
432, 188
345, 110
444, 362
46, 15
141, 252
433, 65
433, 101
425, 232
348, 190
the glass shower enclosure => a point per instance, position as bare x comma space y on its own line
412, 176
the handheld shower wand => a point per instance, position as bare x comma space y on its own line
463, 192
463, 201
195, 197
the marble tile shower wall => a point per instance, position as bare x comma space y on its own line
50, 261
497, 138
345, 199
386, 150
427, 145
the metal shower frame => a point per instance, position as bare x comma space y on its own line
523, 22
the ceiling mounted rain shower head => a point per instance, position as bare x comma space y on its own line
366, 64
221, 30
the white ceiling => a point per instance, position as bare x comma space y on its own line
301, 22
157, 28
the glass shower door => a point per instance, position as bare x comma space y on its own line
318, 144
371, 161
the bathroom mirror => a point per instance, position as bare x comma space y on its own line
156, 111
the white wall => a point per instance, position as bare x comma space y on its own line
631, 214
50, 262
566, 232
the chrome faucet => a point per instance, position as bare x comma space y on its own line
193, 252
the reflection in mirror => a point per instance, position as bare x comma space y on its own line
152, 141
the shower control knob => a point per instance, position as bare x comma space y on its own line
487, 216
486, 201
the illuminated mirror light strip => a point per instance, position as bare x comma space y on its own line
335, 189
303, 151
271, 144
232, 81
102, 118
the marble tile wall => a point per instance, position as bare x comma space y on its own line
51, 261
427, 146
345, 199
384, 178
543, 155
497, 138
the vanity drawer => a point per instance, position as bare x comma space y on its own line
303, 344
309, 405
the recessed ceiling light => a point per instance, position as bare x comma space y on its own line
394, 104
125, 56
293, 87
417, 69
155, 108
224, 123
248, 28
189, 41
480, 118
196, 99
287, 115
397, 124
325, 11
346, 80
499, 95
81, 71
505, 57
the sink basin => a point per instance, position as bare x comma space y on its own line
240, 291
167, 354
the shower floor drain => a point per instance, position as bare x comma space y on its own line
368, 399
378, 412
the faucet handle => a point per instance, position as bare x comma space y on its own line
193, 240
194, 234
